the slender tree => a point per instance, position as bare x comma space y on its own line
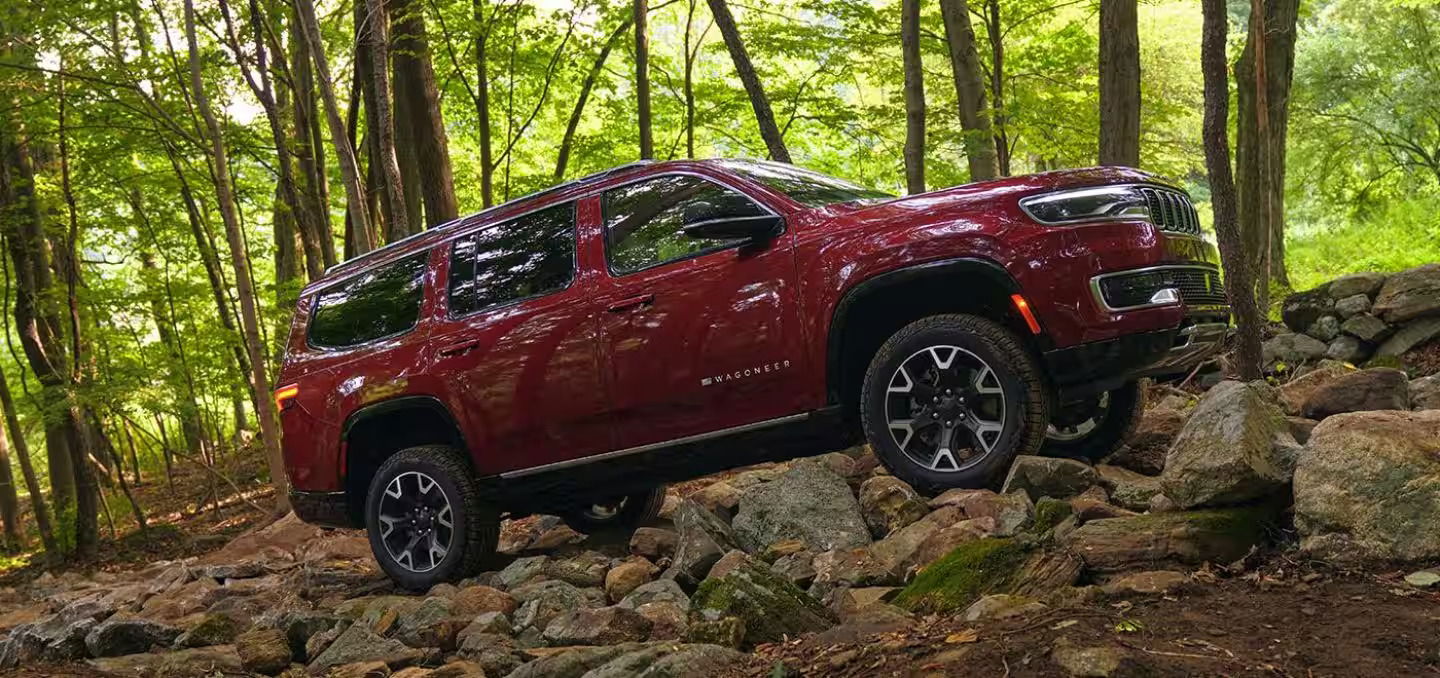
1119, 83
969, 90
1239, 271
769, 131
914, 96
397, 222
244, 284
1262, 115
9, 499
418, 113
562, 157
640, 13
27, 471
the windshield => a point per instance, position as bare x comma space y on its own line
808, 188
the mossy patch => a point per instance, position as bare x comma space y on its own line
769, 606
1049, 513
972, 570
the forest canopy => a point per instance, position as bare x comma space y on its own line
174, 171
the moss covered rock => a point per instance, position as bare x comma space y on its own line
1163, 540
971, 570
769, 606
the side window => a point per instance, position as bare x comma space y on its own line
372, 305
525, 257
643, 220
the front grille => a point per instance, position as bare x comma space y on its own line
1171, 210
1198, 286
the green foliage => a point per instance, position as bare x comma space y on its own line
1402, 234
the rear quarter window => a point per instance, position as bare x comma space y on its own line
375, 304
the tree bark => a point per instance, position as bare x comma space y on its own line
1119, 83
9, 500
639, 16
397, 222
482, 103
418, 93
349, 168
1260, 157
969, 90
914, 96
27, 470
769, 131
244, 285
1239, 274
313, 182
567, 142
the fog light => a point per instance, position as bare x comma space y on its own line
1168, 295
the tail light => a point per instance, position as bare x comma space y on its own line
285, 395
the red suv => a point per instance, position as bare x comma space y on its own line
571, 351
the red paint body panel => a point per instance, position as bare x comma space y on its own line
721, 340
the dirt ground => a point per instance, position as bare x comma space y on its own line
1276, 622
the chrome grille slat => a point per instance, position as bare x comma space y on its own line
1171, 211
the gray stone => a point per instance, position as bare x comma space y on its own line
434, 623
1101, 661
573, 663
1425, 393
809, 502
1366, 327
849, 567
897, 551
1378, 388
1128, 489
1352, 305
359, 644
1292, 349
1409, 294
1000, 606
888, 504
1011, 512
212, 629
204, 661
601, 626
1168, 540
1236, 447
1348, 349
1357, 284
1423, 579
495, 653
520, 571
1325, 328
770, 606
1048, 477
659, 591
265, 651
703, 538
1368, 487
114, 637
543, 601
1303, 308
653, 543
1410, 336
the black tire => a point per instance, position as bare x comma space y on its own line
1090, 430
1020, 416
623, 514
474, 524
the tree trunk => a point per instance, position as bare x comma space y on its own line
999, 125
769, 131
1239, 274
27, 470
349, 168
563, 157
969, 89
9, 500
482, 103
640, 18
1261, 193
397, 222
312, 182
1119, 83
244, 286
418, 93
914, 96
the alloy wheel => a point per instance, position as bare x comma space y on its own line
1086, 418
600, 513
945, 408
416, 521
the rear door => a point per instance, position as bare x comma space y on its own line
518, 352
698, 336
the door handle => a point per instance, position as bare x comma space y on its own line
459, 347
632, 302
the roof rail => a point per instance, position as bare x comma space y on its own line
589, 178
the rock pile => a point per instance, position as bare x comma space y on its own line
1359, 316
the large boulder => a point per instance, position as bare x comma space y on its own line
1236, 447
1425, 393
1368, 487
1379, 388
1366, 327
114, 637
1048, 477
1167, 540
1292, 349
1295, 392
1303, 308
988, 566
809, 502
703, 538
1413, 334
1011, 512
1352, 305
360, 644
1364, 284
1348, 349
600, 626
897, 551
1409, 294
770, 606
888, 503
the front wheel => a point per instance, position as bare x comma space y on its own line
427, 521
619, 514
950, 400
1092, 428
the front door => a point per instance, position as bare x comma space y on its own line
698, 335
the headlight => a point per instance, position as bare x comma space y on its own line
1103, 203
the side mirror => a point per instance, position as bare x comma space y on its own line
736, 228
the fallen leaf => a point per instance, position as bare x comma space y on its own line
1065, 624
1128, 626
966, 636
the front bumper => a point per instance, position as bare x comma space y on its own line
326, 509
1095, 367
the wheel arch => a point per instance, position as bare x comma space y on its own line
877, 307
374, 432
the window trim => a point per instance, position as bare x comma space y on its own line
423, 255
605, 225
449, 245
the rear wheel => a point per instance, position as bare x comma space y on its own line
950, 400
426, 519
1092, 428
619, 514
